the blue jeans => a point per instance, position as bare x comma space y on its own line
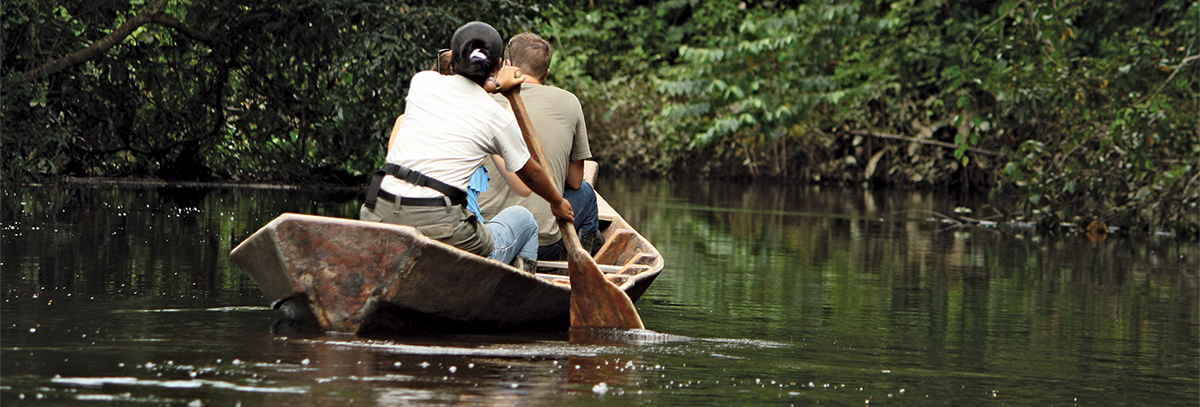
583, 201
514, 232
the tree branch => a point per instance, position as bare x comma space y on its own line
153, 13
923, 141
989, 26
154, 152
166, 20
1172, 76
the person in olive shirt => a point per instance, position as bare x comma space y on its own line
557, 118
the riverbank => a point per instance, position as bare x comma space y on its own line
976, 210
846, 159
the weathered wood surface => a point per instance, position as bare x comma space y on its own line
351, 276
595, 301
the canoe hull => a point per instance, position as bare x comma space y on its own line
345, 275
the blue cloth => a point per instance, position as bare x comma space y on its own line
477, 184
514, 232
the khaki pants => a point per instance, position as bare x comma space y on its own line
453, 225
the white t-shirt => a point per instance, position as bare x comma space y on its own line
450, 126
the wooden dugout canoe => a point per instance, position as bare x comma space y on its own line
368, 278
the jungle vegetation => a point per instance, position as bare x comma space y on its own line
1061, 111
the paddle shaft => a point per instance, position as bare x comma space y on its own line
595, 301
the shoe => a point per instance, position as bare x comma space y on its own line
526, 264
591, 241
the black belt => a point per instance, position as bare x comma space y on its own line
405, 201
457, 196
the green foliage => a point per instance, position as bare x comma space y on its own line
1091, 106
751, 77
1083, 97
243, 91
1091, 100
608, 55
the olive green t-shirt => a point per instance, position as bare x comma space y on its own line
557, 119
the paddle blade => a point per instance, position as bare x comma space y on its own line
595, 301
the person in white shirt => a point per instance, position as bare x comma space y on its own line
451, 125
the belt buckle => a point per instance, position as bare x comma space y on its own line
415, 178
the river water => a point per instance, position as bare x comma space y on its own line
787, 296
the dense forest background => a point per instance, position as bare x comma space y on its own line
1062, 111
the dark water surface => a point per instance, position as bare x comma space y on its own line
124, 295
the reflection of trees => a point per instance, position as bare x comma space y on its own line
138, 241
820, 264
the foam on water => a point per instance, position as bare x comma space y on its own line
171, 384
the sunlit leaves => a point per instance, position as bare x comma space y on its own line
756, 80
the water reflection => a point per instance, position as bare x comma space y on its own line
843, 274
797, 295
136, 241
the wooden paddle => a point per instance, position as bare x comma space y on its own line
595, 301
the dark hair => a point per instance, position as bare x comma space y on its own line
531, 53
477, 49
